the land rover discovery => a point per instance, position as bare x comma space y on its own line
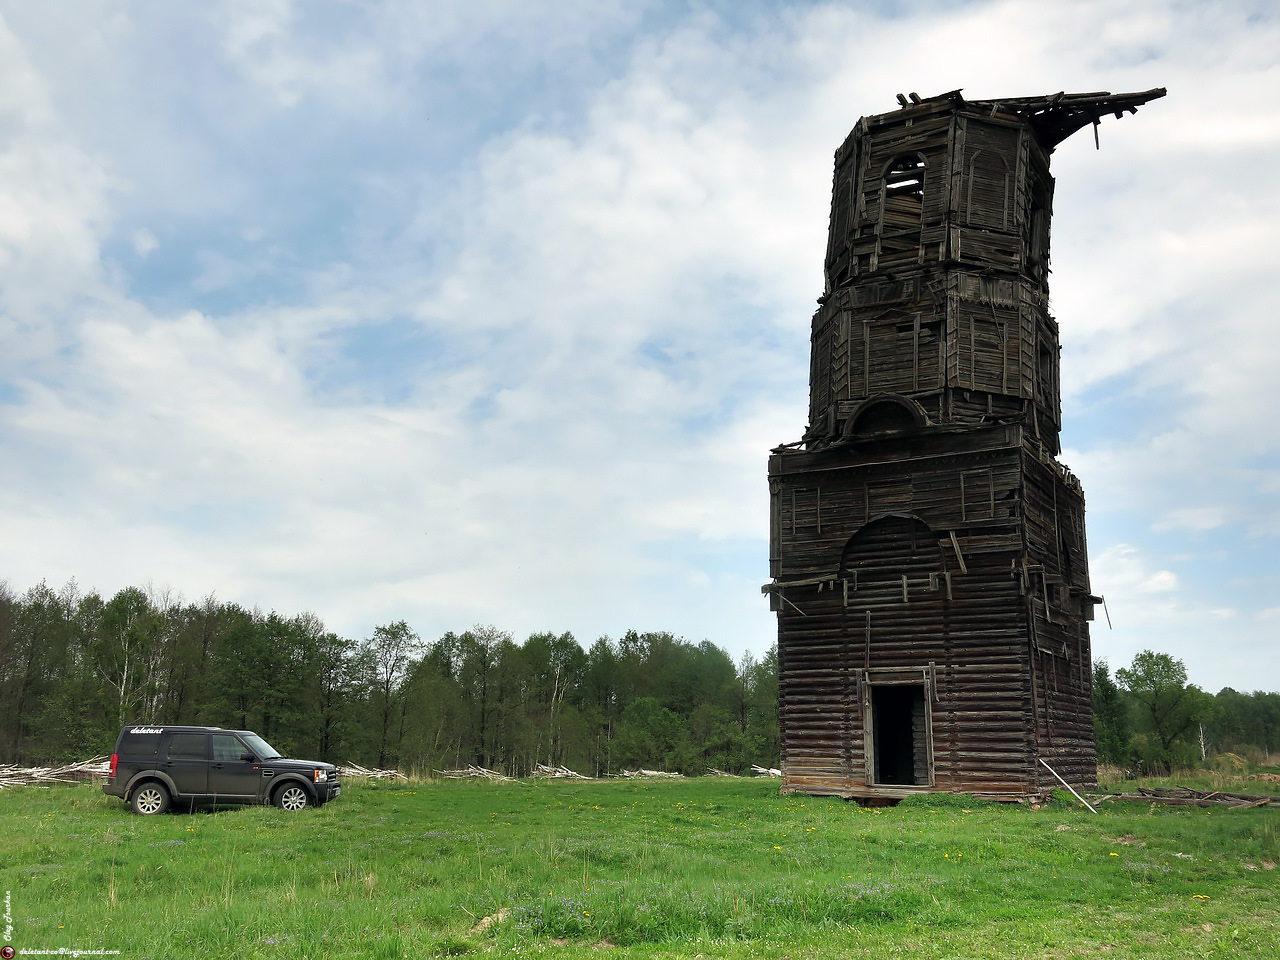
155, 766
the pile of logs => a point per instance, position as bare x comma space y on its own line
765, 771
562, 773
11, 775
1188, 797
471, 770
651, 773
355, 770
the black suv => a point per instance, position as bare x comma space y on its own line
152, 766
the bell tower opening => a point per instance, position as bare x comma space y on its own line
902, 210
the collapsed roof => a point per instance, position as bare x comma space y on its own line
1056, 116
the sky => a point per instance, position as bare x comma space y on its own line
490, 312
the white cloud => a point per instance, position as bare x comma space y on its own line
523, 363
1193, 518
144, 242
259, 40
54, 205
1123, 566
1150, 606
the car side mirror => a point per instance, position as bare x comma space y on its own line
248, 756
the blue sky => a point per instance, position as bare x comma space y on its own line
491, 312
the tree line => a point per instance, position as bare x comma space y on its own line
75, 667
1148, 718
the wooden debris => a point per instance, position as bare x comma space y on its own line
542, 771
652, 773
1189, 797
12, 775
355, 770
765, 771
471, 770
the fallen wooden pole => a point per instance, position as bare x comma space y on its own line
1068, 786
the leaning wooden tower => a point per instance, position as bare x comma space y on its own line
927, 549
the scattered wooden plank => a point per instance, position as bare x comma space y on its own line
542, 770
1189, 797
471, 770
12, 775
355, 770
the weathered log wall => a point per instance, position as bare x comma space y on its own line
927, 552
883, 574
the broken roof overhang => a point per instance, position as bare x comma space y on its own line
1059, 115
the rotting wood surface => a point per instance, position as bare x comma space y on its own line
927, 552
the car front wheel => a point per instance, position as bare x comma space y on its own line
292, 797
150, 799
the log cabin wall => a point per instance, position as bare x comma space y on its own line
927, 551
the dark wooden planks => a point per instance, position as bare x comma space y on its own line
927, 549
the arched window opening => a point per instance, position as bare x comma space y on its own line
1044, 371
902, 210
988, 191
904, 180
893, 559
885, 416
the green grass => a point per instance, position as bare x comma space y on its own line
713, 867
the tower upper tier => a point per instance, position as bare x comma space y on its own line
937, 265
945, 180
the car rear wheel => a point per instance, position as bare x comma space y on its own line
292, 797
150, 799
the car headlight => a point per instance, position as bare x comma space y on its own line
319, 776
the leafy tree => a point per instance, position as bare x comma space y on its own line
1247, 723
239, 666
387, 655
436, 718
334, 672
1169, 706
1111, 728
649, 733
188, 693
1264, 723
52, 698
552, 667
601, 683
759, 681
480, 650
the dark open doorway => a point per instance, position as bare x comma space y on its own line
900, 727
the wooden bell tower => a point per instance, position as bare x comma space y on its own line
927, 549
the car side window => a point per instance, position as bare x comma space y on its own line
139, 744
226, 747
188, 746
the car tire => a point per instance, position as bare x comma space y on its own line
292, 797
150, 799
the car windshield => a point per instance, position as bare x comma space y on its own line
264, 750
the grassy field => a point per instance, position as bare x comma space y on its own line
716, 867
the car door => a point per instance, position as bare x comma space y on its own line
187, 763
230, 775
